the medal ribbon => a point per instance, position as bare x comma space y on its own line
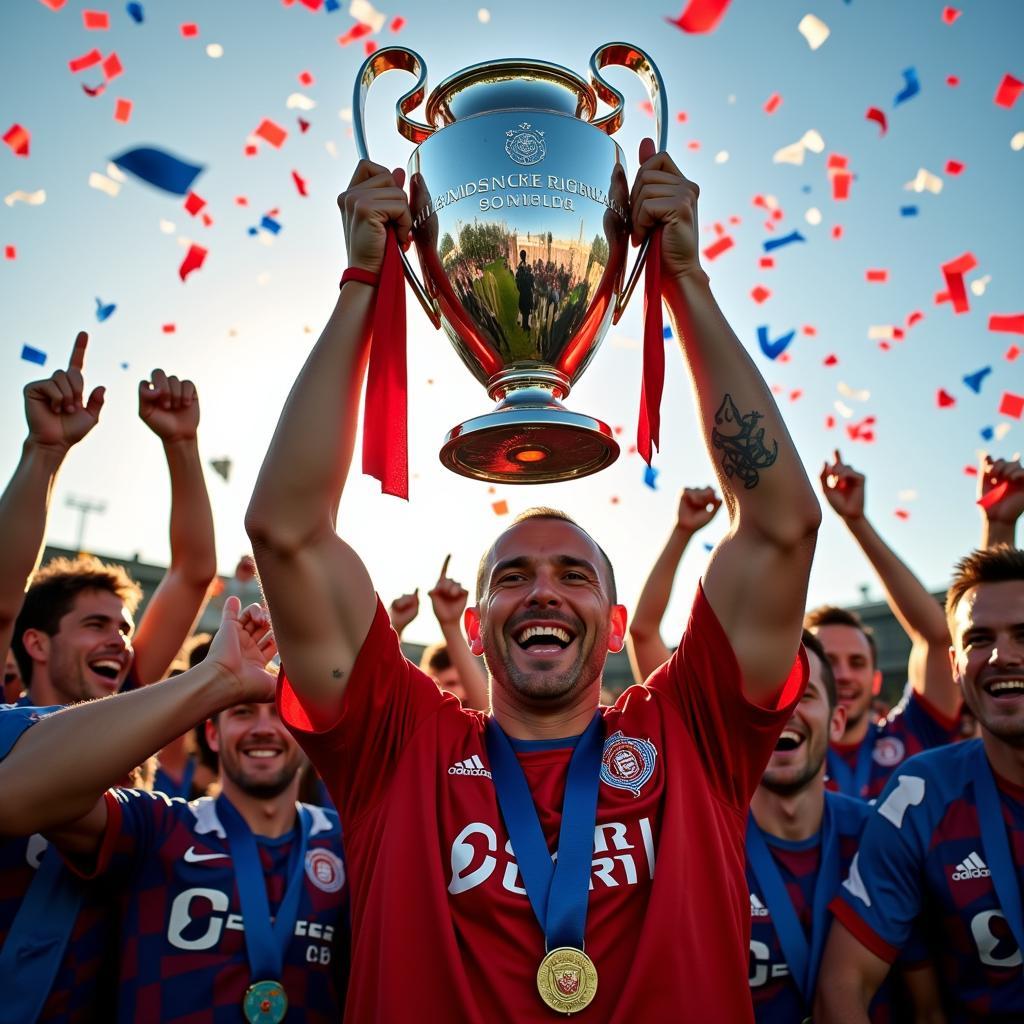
265, 941
802, 957
997, 843
557, 892
648, 429
854, 783
385, 408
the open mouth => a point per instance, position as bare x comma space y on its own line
1003, 689
262, 753
544, 638
108, 668
788, 741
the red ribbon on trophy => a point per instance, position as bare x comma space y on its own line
649, 428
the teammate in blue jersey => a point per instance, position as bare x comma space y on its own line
945, 843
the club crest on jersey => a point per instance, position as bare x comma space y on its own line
888, 751
627, 762
325, 870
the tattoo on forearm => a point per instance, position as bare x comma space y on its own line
744, 452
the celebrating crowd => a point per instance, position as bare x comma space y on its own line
203, 831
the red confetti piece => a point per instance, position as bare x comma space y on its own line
241, 201
303, 125
1011, 405
901, 513
305, 78
370, 46
766, 263
271, 132
614, 499
884, 346
189, 29
914, 318
897, 333
194, 203
87, 60
312, 5
300, 183
112, 67
1008, 91
123, 111
98, 90
809, 330
954, 272
830, 423
716, 249
878, 116
760, 294
877, 276
681, 116
700, 16
693, 144
10, 252
862, 431
954, 167
970, 470
647, 107
96, 21
1012, 354
1010, 323
18, 138
54, 5
841, 185
950, 14
250, 149
772, 103
500, 507
193, 260
944, 399
837, 231
397, 24
837, 162
357, 31
168, 328
207, 220
831, 360
952, 81
796, 394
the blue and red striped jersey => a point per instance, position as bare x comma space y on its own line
183, 955
922, 857
912, 727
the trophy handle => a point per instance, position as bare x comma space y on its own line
396, 58
632, 57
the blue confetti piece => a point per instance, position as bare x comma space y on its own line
135, 12
666, 332
709, 547
271, 225
806, 190
252, 231
159, 168
650, 476
973, 380
911, 89
124, 366
774, 349
908, 211
103, 312
778, 243
987, 433
332, 5
33, 355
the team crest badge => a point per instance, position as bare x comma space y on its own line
627, 762
325, 870
889, 751
525, 145
568, 981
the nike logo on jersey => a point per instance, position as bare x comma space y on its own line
972, 866
471, 766
191, 857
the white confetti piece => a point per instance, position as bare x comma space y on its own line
925, 181
167, 227
814, 30
722, 156
32, 198
185, 243
882, 332
855, 394
813, 141
363, 11
345, 114
844, 410
483, 15
907, 495
331, 148
102, 183
979, 284
813, 216
299, 101
1017, 142
215, 50
793, 154
115, 172
1002, 429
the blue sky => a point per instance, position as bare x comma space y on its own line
245, 321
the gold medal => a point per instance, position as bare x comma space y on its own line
567, 980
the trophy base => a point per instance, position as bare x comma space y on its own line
538, 443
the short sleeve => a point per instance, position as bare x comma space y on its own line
16, 720
386, 700
881, 897
931, 727
734, 736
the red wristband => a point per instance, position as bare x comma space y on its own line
358, 274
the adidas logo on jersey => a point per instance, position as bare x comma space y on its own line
471, 766
972, 866
757, 908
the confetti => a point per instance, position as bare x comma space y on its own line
877, 276
271, 132
777, 243
1012, 354
87, 60
908, 211
1008, 91
794, 154
814, 30
159, 168
483, 16
830, 360
862, 431
813, 216
96, 21
135, 12
760, 294
954, 272
364, 11
194, 203
1010, 323
925, 181
910, 88
944, 399
700, 16
103, 184
878, 116
299, 101
32, 198
112, 67
716, 248
215, 50
54, 5
397, 24
306, 79
1017, 142
772, 103
189, 30
950, 14
269, 224
103, 312
193, 261
773, 349
18, 139
222, 467
1011, 405
901, 513
954, 167
854, 394
952, 81
975, 380
300, 183
500, 508
33, 355
10, 252
123, 111
168, 328
357, 31
651, 477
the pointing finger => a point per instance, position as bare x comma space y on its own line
444, 568
77, 361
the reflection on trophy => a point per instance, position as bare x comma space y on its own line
519, 200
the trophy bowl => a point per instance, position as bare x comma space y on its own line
520, 206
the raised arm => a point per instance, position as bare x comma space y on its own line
919, 614
57, 418
170, 408
317, 588
58, 770
1001, 497
403, 610
647, 650
449, 599
757, 579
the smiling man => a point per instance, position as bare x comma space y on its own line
452, 816
945, 842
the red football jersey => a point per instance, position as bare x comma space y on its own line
442, 927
